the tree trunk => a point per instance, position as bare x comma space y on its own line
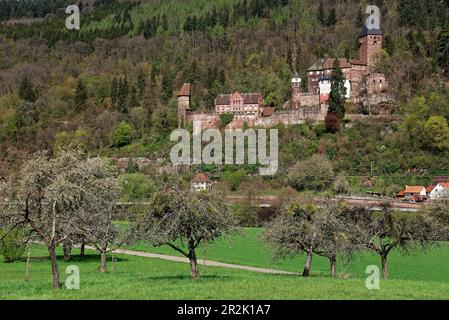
103, 261
333, 261
27, 272
67, 248
54, 267
82, 248
306, 271
384, 266
193, 261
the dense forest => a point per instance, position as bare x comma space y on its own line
110, 88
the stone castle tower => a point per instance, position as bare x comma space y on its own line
184, 104
296, 91
370, 41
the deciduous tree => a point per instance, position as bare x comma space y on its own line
184, 220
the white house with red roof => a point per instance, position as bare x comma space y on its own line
441, 190
201, 182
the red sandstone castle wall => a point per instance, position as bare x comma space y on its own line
309, 99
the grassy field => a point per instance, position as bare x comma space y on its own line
418, 276
248, 249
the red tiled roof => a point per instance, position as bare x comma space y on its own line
401, 194
413, 189
268, 111
430, 188
185, 90
248, 98
201, 177
445, 185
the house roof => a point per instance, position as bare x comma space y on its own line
430, 188
268, 111
370, 32
414, 189
201, 177
401, 193
445, 185
185, 90
248, 98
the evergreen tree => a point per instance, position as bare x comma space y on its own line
114, 91
133, 102
26, 91
360, 19
321, 15
167, 88
80, 95
443, 50
332, 19
123, 92
141, 83
337, 97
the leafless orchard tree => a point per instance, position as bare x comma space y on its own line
325, 231
438, 213
183, 220
386, 230
337, 236
94, 224
54, 197
293, 232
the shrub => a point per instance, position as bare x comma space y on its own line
315, 174
123, 135
12, 245
235, 179
136, 186
341, 184
226, 119
332, 123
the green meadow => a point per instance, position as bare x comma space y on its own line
418, 275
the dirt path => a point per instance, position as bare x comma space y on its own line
208, 262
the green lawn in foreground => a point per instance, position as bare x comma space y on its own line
143, 278
432, 265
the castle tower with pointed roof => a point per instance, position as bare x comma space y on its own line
370, 41
183, 104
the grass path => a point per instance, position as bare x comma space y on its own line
206, 262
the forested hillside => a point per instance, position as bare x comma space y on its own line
110, 88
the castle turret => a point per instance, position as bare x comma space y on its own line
296, 91
370, 41
183, 104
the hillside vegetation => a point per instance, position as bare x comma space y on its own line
110, 88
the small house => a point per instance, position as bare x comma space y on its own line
201, 182
415, 192
439, 191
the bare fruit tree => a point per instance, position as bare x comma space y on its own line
325, 230
183, 220
293, 232
54, 195
94, 224
386, 230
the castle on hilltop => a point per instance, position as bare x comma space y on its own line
361, 82
360, 76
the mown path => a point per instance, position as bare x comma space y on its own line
206, 262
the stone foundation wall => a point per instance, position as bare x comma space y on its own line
309, 99
208, 120
314, 113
